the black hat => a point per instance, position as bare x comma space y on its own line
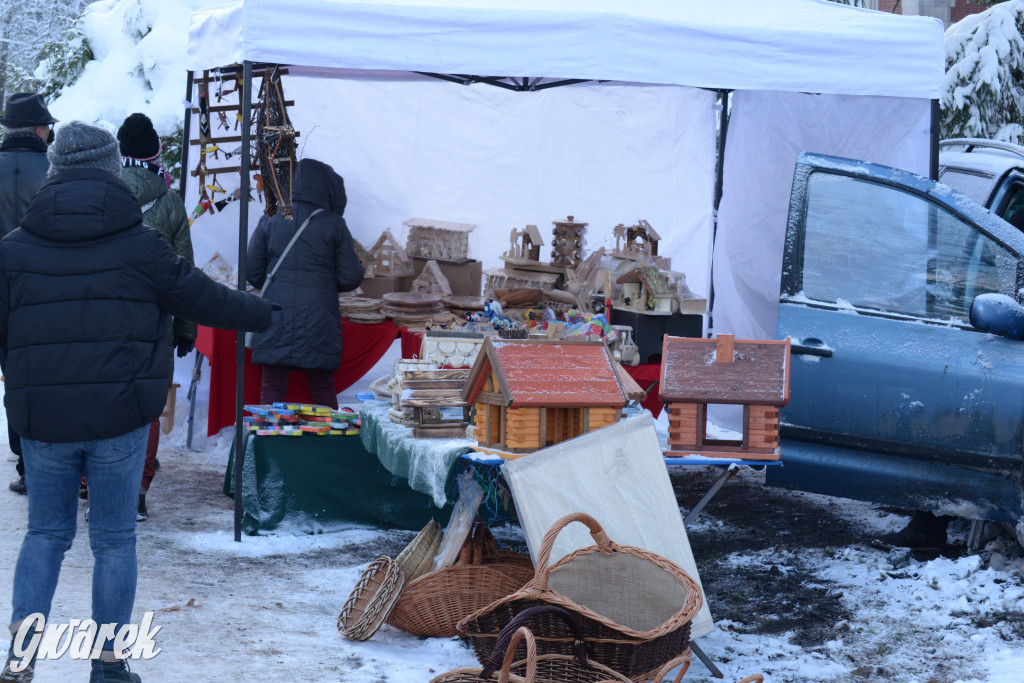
26, 109
137, 138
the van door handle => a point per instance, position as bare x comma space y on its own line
811, 347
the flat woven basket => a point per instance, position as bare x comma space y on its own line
635, 607
371, 600
416, 558
434, 603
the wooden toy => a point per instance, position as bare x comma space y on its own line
531, 393
750, 373
645, 289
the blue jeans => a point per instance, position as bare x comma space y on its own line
53, 472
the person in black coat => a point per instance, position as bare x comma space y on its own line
27, 124
85, 289
306, 332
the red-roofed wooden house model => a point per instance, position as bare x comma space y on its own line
532, 393
699, 372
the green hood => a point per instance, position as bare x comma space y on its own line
144, 184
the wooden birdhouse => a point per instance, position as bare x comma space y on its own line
532, 393
645, 289
440, 240
427, 393
696, 373
390, 259
635, 241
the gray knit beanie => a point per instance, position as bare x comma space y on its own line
79, 145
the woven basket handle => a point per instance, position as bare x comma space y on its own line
755, 678
604, 544
510, 656
478, 545
683, 659
520, 620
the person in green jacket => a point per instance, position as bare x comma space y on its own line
164, 211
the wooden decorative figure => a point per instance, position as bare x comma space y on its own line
432, 280
451, 349
426, 393
750, 373
568, 242
635, 241
440, 240
646, 289
510, 278
531, 393
524, 246
365, 257
390, 259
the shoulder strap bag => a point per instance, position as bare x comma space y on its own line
249, 336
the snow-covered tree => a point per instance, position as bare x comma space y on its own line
983, 96
27, 28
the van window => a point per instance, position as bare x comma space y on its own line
868, 245
1016, 202
977, 185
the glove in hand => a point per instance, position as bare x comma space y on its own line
184, 346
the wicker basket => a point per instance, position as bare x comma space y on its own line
533, 669
416, 558
371, 600
605, 585
434, 603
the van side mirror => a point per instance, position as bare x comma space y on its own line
998, 314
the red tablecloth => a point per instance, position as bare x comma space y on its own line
362, 347
412, 342
645, 375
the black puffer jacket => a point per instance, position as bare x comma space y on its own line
307, 331
23, 167
84, 288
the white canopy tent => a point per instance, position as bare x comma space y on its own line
811, 74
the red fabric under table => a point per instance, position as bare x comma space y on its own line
362, 346
645, 375
411, 343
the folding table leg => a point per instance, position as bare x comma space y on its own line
728, 474
715, 671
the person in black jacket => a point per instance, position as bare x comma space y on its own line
306, 332
85, 289
27, 124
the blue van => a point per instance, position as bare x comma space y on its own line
897, 397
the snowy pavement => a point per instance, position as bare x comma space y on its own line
265, 608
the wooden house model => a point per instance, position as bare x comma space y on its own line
646, 289
532, 393
426, 393
390, 259
440, 240
696, 373
635, 241
524, 246
432, 280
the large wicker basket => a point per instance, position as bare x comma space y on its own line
635, 606
434, 603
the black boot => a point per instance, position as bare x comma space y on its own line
112, 672
925, 531
25, 675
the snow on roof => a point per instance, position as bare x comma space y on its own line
757, 373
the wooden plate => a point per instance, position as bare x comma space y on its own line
405, 299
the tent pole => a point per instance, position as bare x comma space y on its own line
185, 130
933, 166
243, 240
723, 128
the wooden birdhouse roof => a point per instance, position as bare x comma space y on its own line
655, 281
439, 225
387, 243
724, 370
536, 372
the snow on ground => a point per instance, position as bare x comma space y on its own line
266, 608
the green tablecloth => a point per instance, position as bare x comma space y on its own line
428, 464
311, 483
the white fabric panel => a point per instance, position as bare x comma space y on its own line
766, 132
416, 146
617, 475
789, 45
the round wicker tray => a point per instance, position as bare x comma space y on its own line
464, 303
365, 317
411, 299
372, 599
